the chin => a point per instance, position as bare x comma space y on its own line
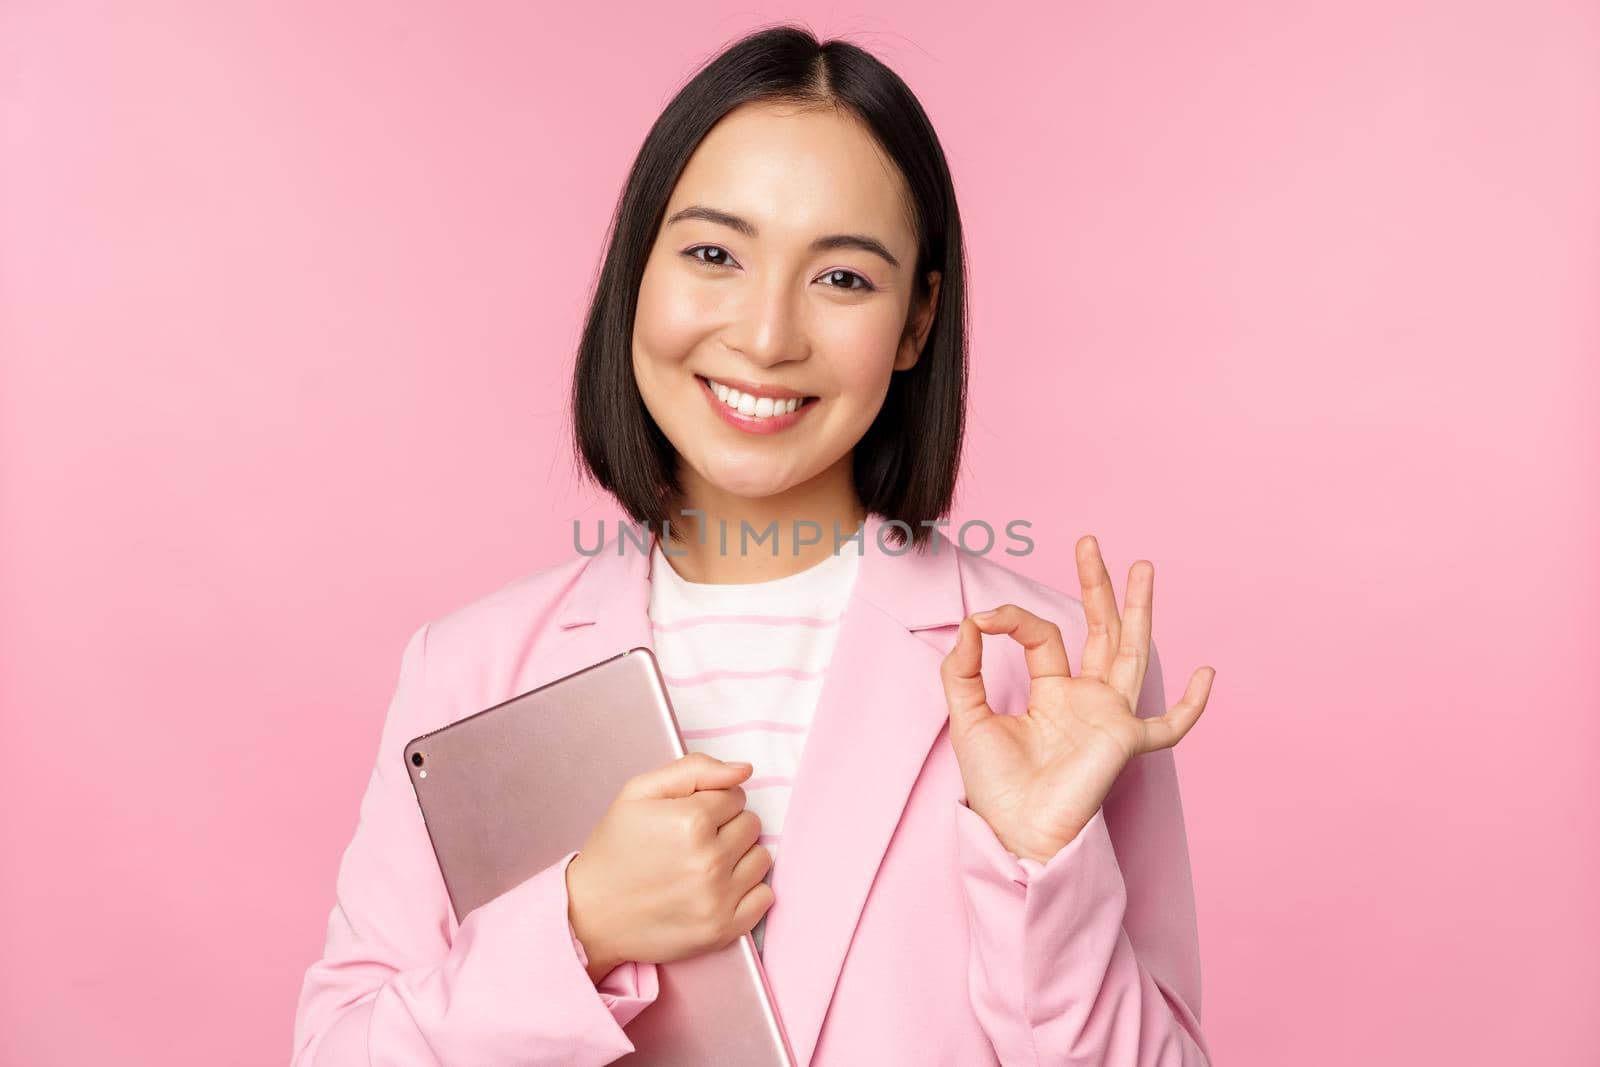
753, 482
750, 488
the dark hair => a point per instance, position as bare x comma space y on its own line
907, 462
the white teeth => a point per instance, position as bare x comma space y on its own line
755, 407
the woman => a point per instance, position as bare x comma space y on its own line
983, 856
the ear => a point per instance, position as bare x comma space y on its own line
917, 329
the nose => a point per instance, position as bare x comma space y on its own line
770, 327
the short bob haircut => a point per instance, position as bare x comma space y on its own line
907, 462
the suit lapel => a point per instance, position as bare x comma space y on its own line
608, 612
879, 712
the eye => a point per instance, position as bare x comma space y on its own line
864, 287
725, 260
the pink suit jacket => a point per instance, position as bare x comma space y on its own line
902, 931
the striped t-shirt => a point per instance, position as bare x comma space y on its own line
744, 664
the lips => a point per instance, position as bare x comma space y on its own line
754, 415
755, 401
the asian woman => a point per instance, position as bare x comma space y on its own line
940, 794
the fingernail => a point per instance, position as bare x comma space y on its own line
983, 614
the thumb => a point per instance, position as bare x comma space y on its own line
962, 675
685, 775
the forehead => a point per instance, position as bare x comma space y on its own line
797, 173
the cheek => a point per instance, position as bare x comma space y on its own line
862, 346
672, 315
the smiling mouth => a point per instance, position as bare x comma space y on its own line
756, 407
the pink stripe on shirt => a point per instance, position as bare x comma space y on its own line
742, 663
746, 726
754, 620
714, 675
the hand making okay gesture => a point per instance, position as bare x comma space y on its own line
1038, 778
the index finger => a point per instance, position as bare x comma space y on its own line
1042, 647
720, 804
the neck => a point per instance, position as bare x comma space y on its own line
719, 544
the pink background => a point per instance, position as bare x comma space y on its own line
1297, 301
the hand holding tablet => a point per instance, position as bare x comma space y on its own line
673, 868
594, 762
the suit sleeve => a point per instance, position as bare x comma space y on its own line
1092, 958
400, 983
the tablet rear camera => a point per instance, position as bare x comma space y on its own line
416, 759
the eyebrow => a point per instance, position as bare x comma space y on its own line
822, 244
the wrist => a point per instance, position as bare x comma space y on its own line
1026, 852
1026, 843
599, 960
599, 968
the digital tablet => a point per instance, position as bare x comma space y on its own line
510, 790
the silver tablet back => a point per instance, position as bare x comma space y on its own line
510, 790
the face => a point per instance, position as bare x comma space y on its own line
784, 268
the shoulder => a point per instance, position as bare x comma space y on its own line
468, 658
991, 579
498, 629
